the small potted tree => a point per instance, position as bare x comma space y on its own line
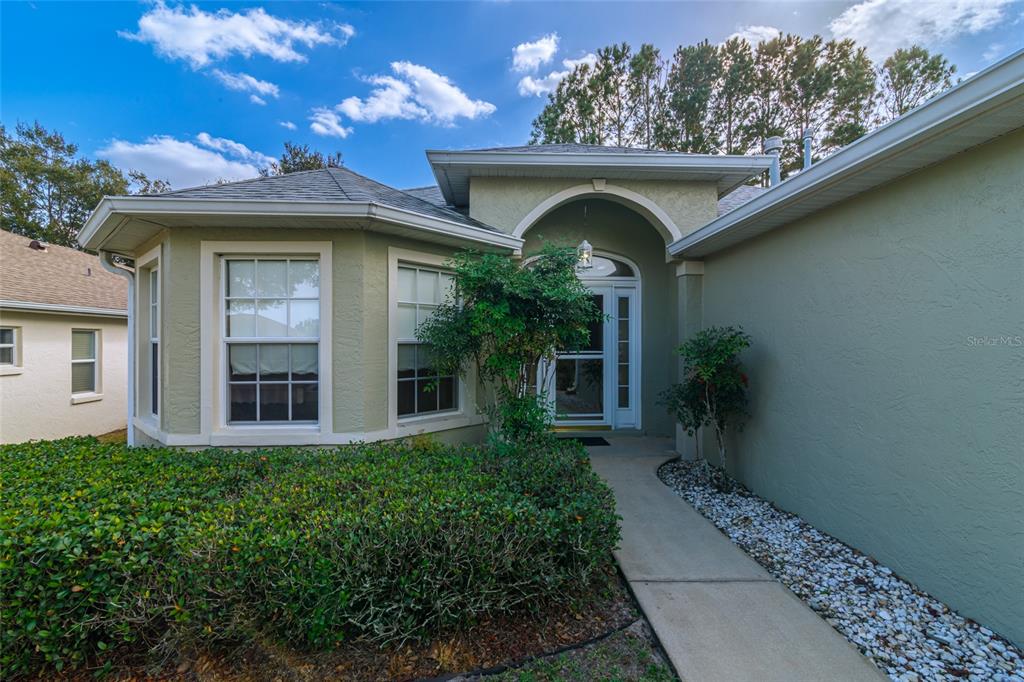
713, 390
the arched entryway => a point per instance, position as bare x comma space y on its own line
630, 271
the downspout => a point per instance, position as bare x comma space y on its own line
108, 265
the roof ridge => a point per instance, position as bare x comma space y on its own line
236, 182
329, 170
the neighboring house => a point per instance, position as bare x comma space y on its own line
882, 288
63, 342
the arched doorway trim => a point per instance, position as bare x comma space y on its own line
638, 202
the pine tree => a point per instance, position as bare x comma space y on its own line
911, 76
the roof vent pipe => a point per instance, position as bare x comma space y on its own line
773, 147
808, 139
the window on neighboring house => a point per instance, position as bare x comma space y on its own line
272, 337
421, 389
8, 346
154, 341
84, 344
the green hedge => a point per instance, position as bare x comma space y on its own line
106, 548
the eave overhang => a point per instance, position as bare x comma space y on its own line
976, 111
121, 224
453, 169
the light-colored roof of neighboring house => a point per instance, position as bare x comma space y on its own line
976, 111
453, 169
58, 279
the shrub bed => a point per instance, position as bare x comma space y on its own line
105, 548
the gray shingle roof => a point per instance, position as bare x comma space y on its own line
325, 184
738, 197
574, 148
430, 193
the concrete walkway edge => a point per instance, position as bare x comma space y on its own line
716, 612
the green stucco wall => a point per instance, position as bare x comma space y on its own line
880, 414
615, 229
504, 202
359, 331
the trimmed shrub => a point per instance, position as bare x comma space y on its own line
106, 548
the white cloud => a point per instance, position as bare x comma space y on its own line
535, 87
243, 82
755, 34
885, 25
994, 52
528, 57
236, 149
327, 122
184, 163
201, 37
414, 92
287, 124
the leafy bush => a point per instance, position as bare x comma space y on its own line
502, 321
714, 387
106, 548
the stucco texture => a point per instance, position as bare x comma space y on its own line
504, 202
36, 403
886, 375
359, 331
615, 229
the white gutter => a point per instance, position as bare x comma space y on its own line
98, 227
938, 119
108, 265
58, 308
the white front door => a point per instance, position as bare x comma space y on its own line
598, 385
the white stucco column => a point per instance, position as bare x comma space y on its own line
690, 297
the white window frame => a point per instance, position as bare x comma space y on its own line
466, 414
214, 395
97, 375
14, 366
151, 261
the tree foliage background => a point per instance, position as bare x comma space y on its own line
728, 98
47, 190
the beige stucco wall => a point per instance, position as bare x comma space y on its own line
615, 229
359, 326
887, 374
504, 202
36, 403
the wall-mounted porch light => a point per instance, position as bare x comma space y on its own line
586, 255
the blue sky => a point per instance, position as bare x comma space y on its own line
193, 93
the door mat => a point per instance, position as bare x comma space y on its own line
589, 441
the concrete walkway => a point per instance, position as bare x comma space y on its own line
718, 614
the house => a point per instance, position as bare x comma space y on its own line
882, 287
63, 342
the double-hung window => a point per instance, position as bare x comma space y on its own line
271, 310
154, 341
8, 346
421, 388
84, 344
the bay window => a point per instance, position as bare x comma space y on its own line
271, 330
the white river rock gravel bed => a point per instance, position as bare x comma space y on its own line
909, 635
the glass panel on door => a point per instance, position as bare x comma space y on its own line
579, 389
579, 377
